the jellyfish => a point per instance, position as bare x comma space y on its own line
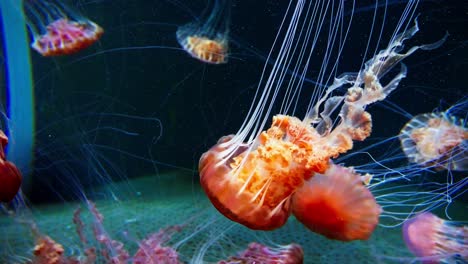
58, 30
19, 88
10, 176
438, 140
207, 38
259, 253
435, 240
251, 176
343, 207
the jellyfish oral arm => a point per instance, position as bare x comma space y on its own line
356, 123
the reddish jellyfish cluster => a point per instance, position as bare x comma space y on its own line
151, 250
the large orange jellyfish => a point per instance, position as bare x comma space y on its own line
10, 176
435, 240
250, 177
207, 39
56, 30
438, 140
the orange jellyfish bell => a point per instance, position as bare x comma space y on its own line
337, 204
10, 176
253, 185
227, 195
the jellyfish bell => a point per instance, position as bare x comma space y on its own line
438, 140
223, 186
64, 37
337, 204
207, 39
435, 240
10, 176
57, 30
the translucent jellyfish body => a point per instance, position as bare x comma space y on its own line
207, 39
57, 30
251, 179
10, 176
436, 140
435, 240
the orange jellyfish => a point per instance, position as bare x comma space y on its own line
250, 177
207, 39
435, 240
438, 140
10, 176
57, 30
337, 205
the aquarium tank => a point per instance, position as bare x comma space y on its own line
231, 131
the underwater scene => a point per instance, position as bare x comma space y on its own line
230, 131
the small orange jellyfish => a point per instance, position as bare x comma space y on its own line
337, 204
436, 139
56, 30
207, 38
10, 176
435, 240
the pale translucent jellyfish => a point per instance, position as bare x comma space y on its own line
434, 240
207, 39
437, 140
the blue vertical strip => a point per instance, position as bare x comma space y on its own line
19, 89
